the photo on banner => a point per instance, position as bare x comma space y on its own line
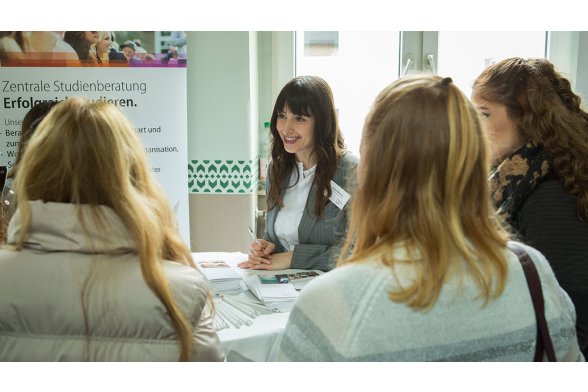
143, 73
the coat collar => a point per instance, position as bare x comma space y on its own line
56, 227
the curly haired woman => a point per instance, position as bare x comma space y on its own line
539, 136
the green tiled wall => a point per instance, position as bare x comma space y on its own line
223, 176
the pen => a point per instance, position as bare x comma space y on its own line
255, 239
253, 235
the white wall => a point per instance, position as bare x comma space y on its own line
562, 51
222, 119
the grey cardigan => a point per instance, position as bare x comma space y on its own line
319, 238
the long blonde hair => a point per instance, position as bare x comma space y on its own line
423, 186
87, 153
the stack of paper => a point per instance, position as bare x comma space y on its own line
220, 275
275, 296
236, 311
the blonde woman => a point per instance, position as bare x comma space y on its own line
425, 273
96, 269
103, 46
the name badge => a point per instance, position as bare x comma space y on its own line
338, 195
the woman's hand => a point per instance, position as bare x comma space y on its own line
260, 252
279, 261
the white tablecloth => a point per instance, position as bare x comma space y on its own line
256, 342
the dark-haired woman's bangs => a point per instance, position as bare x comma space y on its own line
298, 100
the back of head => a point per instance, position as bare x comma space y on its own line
546, 111
423, 154
423, 184
83, 153
87, 153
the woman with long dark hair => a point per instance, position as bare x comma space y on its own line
84, 43
308, 181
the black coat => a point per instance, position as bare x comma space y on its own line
548, 222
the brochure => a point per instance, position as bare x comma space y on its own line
220, 275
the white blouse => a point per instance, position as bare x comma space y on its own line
288, 218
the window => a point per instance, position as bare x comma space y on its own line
359, 62
464, 55
358, 65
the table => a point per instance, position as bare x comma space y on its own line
259, 341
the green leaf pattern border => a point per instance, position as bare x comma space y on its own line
223, 176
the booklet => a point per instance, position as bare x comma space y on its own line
278, 290
275, 296
220, 275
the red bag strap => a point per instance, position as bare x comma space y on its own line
543, 338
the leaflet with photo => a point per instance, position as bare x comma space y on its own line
220, 275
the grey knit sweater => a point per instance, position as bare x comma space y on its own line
346, 315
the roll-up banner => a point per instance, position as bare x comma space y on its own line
142, 73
